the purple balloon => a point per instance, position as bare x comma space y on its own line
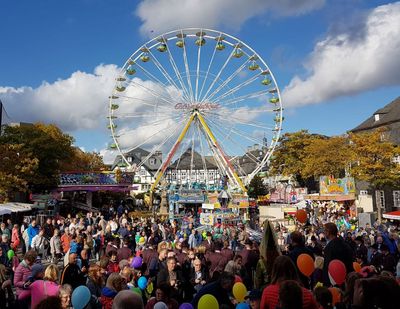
186, 306
137, 262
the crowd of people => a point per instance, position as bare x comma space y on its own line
116, 260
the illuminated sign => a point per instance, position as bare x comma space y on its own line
198, 106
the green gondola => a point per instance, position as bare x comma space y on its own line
200, 42
220, 46
266, 81
162, 48
180, 43
274, 100
120, 88
114, 106
145, 58
253, 66
238, 53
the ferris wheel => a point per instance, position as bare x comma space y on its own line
200, 100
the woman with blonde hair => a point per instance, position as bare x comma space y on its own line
41, 289
65, 296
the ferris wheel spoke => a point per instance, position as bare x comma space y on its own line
159, 146
250, 122
151, 76
237, 88
226, 136
129, 99
204, 99
237, 132
228, 80
251, 95
177, 73
150, 138
208, 69
187, 68
154, 93
202, 153
162, 70
198, 70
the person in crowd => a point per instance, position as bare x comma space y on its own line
115, 283
336, 249
66, 239
39, 243
15, 238
254, 299
220, 289
198, 276
235, 268
388, 260
4, 230
124, 253
21, 279
163, 294
48, 229
284, 269
296, 248
361, 252
52, 302
290, 295
113, 266
72, 274
208, 243
55, 246
95, 284
65, 292
127, 300
32, 231
41, 289
172, 276
323, 297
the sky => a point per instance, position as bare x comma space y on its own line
335, 61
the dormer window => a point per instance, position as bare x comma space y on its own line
376, 117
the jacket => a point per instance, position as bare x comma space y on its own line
72, 275
55, 245
32, 232
21, 275
107, 297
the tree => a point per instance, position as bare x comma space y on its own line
288, 158
83, 161
257, 187
17, 166
326, 156
373, 159
48, 144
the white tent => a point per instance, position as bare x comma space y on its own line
10, 207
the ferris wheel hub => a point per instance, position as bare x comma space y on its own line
199, 106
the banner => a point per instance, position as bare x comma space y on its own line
239, 201
206, 219
331, 185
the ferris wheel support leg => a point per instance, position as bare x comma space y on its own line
229, 165
171, 153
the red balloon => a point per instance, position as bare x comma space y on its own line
336, 297
238, 279
337, 272
305, 263
301, 215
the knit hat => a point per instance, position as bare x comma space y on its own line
36, 270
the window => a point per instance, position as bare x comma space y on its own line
380, 198
396, 198
376, 117
396, 159
152, 161
363, 192
129, 159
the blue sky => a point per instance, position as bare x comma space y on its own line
57, 58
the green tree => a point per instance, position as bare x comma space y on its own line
17, 166
257, 187
48, 144
373, 159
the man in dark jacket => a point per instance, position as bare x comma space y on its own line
361, 251
298, 247
336, 249
219, 289
72, 273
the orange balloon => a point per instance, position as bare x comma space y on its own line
301, 215
305, 263
336, 297
356, 266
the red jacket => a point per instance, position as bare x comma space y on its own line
112, 267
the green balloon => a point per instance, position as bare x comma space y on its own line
10, 254
137, 291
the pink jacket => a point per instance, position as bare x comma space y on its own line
21, 275
41, 289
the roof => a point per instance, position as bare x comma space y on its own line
137, 155
185, 161
394, 215
387, 115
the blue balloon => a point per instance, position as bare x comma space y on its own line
142, 283
243, 306
80, 297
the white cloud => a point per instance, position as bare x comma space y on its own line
78, 102
159, 16
347, 64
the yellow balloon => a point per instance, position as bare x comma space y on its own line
239, 291
208, 301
